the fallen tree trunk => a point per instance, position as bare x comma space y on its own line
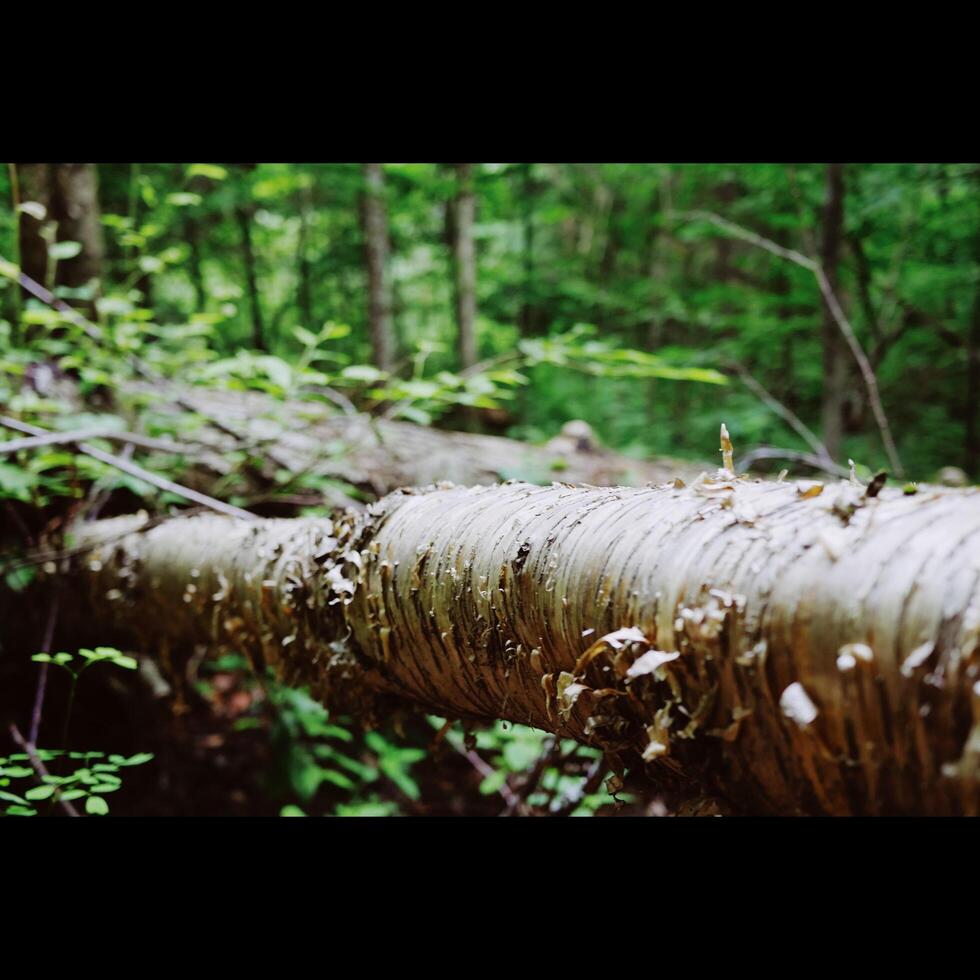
794, 647
378, 455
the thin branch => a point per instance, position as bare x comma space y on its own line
99, 493
531, 779
42, 678
95, 432
867, 373
337, 397
96, 334
592, 782
823, 463
481, 766
39, 767
794, 421
135, 470
752, 238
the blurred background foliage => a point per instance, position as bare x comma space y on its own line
598, 291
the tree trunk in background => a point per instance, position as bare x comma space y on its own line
375, 225
792, 652
835, 353
972, 406
195, 262
464, 264
304, 272
607, 263
36, 184
244, 215
528, 317
69, 193
76, 209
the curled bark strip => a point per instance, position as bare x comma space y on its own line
812, 652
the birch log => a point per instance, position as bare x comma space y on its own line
794, 647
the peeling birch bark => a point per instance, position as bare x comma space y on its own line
794, 647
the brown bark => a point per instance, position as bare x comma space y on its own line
464, 264
76, 209
531, 317
375, 227
195, 262
972, 405
69, 193
796, 651
835, 375
304, 271
244, 216
35, 185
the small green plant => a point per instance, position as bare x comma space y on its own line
90, 658
316, 750
90, 781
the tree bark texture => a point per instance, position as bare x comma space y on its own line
243, 214
794, 647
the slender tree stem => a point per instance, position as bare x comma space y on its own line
867, 373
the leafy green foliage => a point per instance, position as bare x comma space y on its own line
89, 657
97, 776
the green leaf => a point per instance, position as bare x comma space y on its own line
362, 372
39, 792
16, 772
16, 482
20, 578
306, 338
96, 805
493, 782
134, 760
337, 778
183, 199
34, 208
61, 251
209, 170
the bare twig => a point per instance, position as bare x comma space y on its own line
99, 494
96, 334
42, 678
337, 397
95, 432
529, 783
867, 372
481, 766
592, 781
804, 431
39, 767
823, 463
135, 470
